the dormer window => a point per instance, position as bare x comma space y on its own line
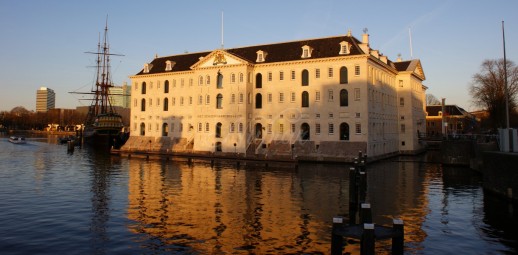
306, 51
344, 48
261, 56
147, 67
169, 65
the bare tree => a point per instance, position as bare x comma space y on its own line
432, 100
488, 89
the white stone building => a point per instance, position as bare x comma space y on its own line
315, 99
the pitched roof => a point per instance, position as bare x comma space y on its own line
451, 110
278, 52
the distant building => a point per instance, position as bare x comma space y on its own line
120, 95
45, 99
326, 97
456, 119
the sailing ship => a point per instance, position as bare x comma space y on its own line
103, 127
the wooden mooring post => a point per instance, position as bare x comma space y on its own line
365, 231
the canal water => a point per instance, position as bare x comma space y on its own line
54, 202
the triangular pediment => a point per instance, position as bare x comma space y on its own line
419, 70
218, 58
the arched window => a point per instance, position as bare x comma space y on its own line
143, 105
218, 129
258, 131
165, 129
305, 77
258, 101
258, 81
143, 88
344, 131
219, 101
166, 104
208, 80
142, 129
200, 80
166, 86
220, 81
344, 97
343, 75
304, 131
305, 99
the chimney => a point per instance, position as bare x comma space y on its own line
365, 38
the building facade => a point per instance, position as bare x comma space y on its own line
120, 95
456, 121
45, 99
317, 98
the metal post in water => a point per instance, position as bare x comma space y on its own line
337, 241
398, 241
367, 241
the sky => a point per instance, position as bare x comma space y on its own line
43, 43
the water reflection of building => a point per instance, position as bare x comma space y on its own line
213, 210
404, 196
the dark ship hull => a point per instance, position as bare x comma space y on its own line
106, 132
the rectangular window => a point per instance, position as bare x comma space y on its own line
401, 101
232, 127
281, 128
233, 98
270, 97
270, 76
135, 102
190, 82
292, 96
181, 100
293, 128
207, 127
330, 95
403, 128
358, 115
358, 128
317, 73
150, 102
182, 83
331, 128
317, 96
331, 115
200, 99
281, 75
317, 128
241, 98
293, 75
174, 101
158, 102
317, 116
357, 94
281, 97
330, 72
190, 100
200, 127
357, 70
269, 128
400, 83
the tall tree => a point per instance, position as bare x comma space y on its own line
432, 100
488, 89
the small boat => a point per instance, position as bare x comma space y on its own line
17, 139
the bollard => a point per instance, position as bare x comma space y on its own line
398, 241
367, 246
363, 186
70, 146
366, 213
353, 196
337, 241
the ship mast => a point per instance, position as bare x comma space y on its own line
101, 103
